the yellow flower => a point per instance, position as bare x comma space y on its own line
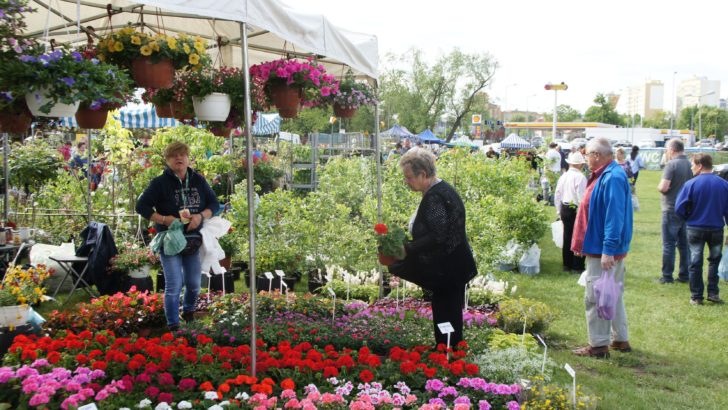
200, 47
127, 31
172, 43
136, 40
194, 59
154, 45
118, 46
186, 48
145, 50
110, 45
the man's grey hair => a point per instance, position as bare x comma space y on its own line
676, 145
599, 145
419, 160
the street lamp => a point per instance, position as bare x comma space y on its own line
700, 117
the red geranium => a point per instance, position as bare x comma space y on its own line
366, 376
380, 229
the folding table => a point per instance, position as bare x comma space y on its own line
66, 262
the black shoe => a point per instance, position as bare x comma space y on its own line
683, 280
664, 280
188, 316
696, 302
715, 299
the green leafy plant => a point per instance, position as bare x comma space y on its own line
33, 164
500, 340
513, 312
390, 241
133, 258
512, 364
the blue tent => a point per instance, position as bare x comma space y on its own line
140, 117
398, 131
428, 137
267, 124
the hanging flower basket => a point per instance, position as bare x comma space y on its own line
16, 123
179, 111
286, 98
343, 112
152, 75
139, 273
164, 110
92, 119
36, 99
220, 131
212, 107
386, 259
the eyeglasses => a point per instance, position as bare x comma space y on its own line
588, 154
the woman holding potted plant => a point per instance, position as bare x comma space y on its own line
439, 257
179, 195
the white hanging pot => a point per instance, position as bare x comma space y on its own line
36, 99
213, 107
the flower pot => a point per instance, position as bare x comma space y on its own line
343, 112
179, 112
139, 273
16, 123
226, 262
216, 282
14, 315
220, 131
386, 259
213, 107
286, 98
37, 99
164, 111
7, 336
152, 75
91, 119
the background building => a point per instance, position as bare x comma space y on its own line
644, 99
689, 91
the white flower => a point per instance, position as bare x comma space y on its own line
163, 406
215, 407
124, 408
184, 404
224, 403
242, 396
210, 395
144, 403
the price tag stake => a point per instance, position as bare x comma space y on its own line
446, 328
572, 373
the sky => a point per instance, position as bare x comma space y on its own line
594, 47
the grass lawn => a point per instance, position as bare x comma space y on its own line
679, 359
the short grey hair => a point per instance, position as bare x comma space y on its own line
676, 145
599, 145
419, 160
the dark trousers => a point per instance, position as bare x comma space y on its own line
447, 306
571, 261
697, 239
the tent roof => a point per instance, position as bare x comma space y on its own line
275, 30
428, 136
398, 131
514, 141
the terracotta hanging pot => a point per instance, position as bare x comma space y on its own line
179, 112
286, 98
152, 75
91, 119
164, 110
343, 112
220, 131
386, 259
16, 123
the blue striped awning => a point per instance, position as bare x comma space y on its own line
267, 124
515, 142
141, 117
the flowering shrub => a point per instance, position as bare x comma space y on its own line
390, 241
23, 285
125, 313
133, 258
513, 363
538, 315
310, 77
123, 46
353, 94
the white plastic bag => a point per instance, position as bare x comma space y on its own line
530, 261
557, 233
635, 203
723, 266
40, 253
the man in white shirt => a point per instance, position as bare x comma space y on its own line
569, 192
553, 158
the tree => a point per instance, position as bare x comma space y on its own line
308, 120
714, 120
563, 113
602, 112
658, 119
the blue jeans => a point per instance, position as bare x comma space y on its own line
697, 238
178, 271
674, 233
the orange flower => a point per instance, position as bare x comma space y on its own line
206, 386
288, 384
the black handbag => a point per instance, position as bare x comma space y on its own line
194, 241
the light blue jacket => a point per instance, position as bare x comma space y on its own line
609, 227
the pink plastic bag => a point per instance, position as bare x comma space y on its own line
606, 292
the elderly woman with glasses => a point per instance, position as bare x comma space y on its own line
439, 257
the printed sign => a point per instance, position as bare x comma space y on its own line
268, 275
445, 327
280, 273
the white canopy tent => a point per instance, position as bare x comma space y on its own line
273, 30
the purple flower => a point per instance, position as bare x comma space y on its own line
448, 391
462, 400
513, 405
28, 59
434, 385
483, 405
95, 105
39, 399
69, 81
439, 402
6, 95
76, 55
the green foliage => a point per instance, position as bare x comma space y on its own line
500, 340
602, 112
368, 293
33, 164
543, 396
509, 365
538, 315
563, 113
308, 121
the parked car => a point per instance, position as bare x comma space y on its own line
537, 142
721, 170
646, 143
622, 143
578, 142
704, 143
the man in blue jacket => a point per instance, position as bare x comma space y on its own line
602, 232
703, 203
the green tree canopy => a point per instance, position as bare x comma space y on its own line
602, 112
564, 113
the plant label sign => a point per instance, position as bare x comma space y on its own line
268, 275
572, 373
445, 327
545, 348
331, 292
280, 273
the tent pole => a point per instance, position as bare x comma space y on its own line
6, 201
378, 156
88, 176
251, 203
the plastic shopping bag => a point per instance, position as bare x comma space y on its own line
606, 292
530, 261
635, 203
557, 233
723, 267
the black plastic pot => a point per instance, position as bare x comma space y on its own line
216, 282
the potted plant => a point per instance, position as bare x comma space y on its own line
390, 243
288, 83
214, 91
20, 288
15, 117
108, 87
135, 261
350, 96
229, 245
152, 59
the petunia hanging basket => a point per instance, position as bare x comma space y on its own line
286, 98
152, 75
212, 107
343, 112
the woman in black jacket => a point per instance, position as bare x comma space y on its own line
179, 193
439, 257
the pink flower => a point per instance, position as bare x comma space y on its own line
39, 399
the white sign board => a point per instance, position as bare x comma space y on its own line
445, 327
280, 273
268, 275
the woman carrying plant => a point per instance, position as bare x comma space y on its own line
439, 257
179, 193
